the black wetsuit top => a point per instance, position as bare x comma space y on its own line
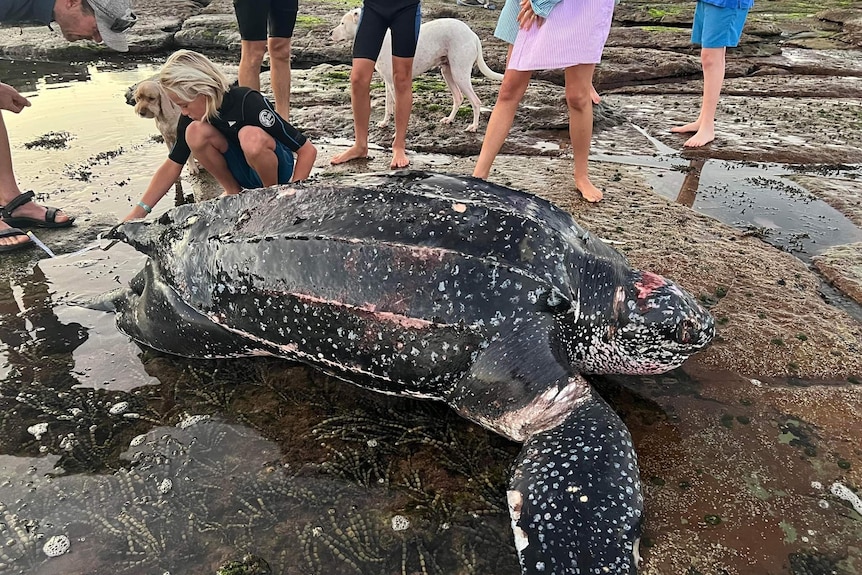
241, 107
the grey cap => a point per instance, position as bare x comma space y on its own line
114, 17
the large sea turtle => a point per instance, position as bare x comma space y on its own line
434, 286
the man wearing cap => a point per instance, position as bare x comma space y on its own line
98, 20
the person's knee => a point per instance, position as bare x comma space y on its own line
510, 92
198, 135
254, 142
279, 49
578, 99
360, 80
402, 73
253, 51
712, 57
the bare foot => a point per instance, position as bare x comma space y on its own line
594, 96
701, 138
33, 210
12, 240
692, 127
588, 190
355, 152
399, 159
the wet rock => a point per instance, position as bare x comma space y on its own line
842, 266
209, 31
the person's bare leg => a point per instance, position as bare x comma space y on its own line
251, 56
279, 74
360, 100
512, 89
402, 78
594, 96
209, 145
713, 62
578, 85
258, 147
9, 190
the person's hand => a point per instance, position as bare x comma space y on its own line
526, 17
11, 100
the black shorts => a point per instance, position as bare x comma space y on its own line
253, 16
404, 23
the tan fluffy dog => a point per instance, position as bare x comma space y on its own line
151, 101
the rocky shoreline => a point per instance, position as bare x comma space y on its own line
728, 464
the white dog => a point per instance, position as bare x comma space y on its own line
151, 101
448, 43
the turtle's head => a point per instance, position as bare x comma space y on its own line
650, 325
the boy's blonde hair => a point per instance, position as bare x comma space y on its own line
188, 74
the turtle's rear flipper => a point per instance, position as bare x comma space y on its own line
575, 498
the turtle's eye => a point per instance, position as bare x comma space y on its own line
685, 331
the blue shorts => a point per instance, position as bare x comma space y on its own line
245, 174
716, 27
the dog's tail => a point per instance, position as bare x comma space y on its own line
480, 62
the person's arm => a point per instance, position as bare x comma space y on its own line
305, 157
543, 7
159, 185
11, 100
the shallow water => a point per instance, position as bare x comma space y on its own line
154, 464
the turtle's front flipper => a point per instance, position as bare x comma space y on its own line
575, 498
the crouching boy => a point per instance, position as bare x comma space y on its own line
233, 131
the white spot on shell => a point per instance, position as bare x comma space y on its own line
38, 430
165, 486
56, 546
189, 420
119, 408
138, 440
847, 495
400, 523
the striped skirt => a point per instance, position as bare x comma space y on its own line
574, 33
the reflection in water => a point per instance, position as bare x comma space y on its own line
347, 481
26, 75
688, 189
34, 344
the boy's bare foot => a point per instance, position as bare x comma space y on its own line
594, 96
399, 159
701, 138
692, 127
588, 190
355, 152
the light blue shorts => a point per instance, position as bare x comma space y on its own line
716, 27
246, 176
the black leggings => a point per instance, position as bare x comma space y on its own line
404, 23
252, 17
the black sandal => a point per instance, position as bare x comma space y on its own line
11, 233
24, 222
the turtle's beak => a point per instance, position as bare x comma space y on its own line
140, 234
